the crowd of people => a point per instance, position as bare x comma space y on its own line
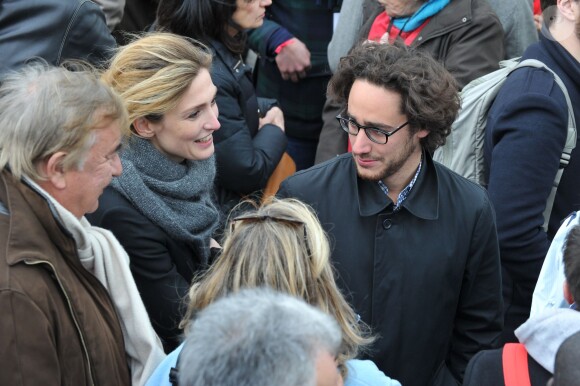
141, 243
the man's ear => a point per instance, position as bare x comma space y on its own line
53, 170
566, 9
567, 294
423, 133
144, 127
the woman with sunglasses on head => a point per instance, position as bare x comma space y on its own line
160, 208
251, 141
282, 245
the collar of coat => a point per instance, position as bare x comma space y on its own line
422, 202
35, 231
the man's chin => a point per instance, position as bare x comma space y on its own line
368, 175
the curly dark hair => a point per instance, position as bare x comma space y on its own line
572, 262
202, 20
429, 94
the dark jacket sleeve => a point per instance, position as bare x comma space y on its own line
87, 36
524, 140
161, 287
244, 163
54, 30
479, 318
265, 39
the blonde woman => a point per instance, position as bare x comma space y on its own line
252, 140
283, 246
160, 207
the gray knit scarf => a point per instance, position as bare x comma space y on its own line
175, 197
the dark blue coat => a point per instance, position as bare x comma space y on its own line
525, 135
246, 155
426, 278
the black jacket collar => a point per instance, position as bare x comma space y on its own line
422, 202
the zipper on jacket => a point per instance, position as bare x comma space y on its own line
83, 343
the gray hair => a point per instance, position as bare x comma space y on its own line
44, 110
257, 337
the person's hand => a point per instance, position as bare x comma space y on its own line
273, 116
293, 61
538, 20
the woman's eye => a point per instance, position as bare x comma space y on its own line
193, 115
213, 101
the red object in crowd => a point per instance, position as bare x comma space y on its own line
537, 8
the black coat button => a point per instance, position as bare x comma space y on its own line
387, 224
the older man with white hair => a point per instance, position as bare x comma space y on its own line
259, 337
71, 314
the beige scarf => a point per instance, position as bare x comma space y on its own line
103, 256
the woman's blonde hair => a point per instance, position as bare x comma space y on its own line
283, 246
154, 71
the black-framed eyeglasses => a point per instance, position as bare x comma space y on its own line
373, 133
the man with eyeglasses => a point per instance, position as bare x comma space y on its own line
415, 245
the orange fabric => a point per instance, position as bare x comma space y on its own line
286, 167
515, 365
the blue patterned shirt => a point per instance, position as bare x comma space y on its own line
405, 192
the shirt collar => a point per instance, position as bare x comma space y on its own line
422, 201
405, 192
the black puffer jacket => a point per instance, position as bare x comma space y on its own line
246, 156
55, 30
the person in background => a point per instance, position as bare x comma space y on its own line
548, 291
113, 10
411, 238
161, 207
261, 338
138, 17
526, 131
566, 371
293, 68
251, 141
541, 335
66, 293
54, 30
281, 245
466, 36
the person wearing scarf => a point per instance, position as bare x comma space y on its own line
161, 208
251, 141
466, 36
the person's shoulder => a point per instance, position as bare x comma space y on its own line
160, 376
114, 208
111, 198
485, 368
322, 172
366, 373
454, 182
482, 8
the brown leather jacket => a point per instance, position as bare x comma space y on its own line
58, 325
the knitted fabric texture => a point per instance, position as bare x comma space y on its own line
177, 197
427, 10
